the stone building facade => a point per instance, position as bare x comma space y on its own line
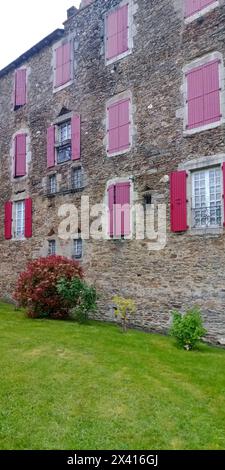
55, 91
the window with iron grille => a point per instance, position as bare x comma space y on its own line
77, 248
20, 219
51, 247
77, 178
206, 198
64, 142
52, 184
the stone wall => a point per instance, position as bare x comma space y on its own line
190, 269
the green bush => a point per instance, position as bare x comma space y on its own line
187, 328
80, 296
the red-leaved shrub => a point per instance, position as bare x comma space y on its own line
36, 288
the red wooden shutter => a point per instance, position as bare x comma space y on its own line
203, 95
20, 87
75, 136
178, 201
51, 146
118, 126
28, 218
8, 220
111, 196
20, 154
122, 201
63, 64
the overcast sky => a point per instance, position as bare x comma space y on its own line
26, 22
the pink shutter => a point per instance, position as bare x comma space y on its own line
212, 111
178, 201
113, 128
122, 201
20, 87
51, 146
122, 29
59, 66
195, 6
75, 136
28, 218
111, 194
66, 69
223, 170
8, 220
20, 154
124, 125
118, 126
195, 98
203, 95
111, 35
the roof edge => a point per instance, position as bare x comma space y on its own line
46, 41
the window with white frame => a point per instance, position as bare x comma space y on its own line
20, 219
206, 198
52, 184
64, 142
51, 247
77, 178
78, 248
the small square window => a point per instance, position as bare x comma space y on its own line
77, 248
77, 178
51, 247
52, 184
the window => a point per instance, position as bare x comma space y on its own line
203, 96
117, 33
118, 127
119, 210
52, 187
64, 142
77, 178
206, 197
20, 97
193, 7
78, 248
20, 219
63, 64
20, 144
51, 247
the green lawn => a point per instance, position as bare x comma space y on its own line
70, 386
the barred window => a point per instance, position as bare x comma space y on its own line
77, 178
51, 247
206, 197
77, 248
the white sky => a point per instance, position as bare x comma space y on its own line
23, 23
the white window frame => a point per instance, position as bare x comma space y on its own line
202, 12
191, 66
201, 163
205, 208
19, 223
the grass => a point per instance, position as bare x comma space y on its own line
70, 386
